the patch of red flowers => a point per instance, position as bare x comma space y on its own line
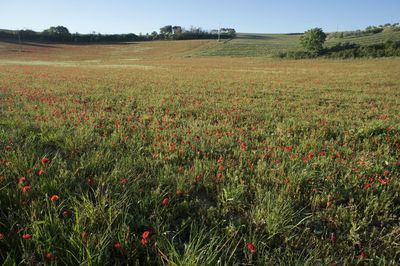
54, 198
22, 180
251, 247
41, 172
145, 238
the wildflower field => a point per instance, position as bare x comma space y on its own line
148, 154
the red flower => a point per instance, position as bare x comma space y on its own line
26, 236
1, 236
333, 237
386, 172
310, 156
49, 255
26, 189
146, 234
367, 186
243, 146
8, 148
165, 201
221, 159
383, 181
41, 172
251, 247
221, 168
22, 180
66, 213
45, 160
362, 255
54, 198
124, 181
117, 245
144, 242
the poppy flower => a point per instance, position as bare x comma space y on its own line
1, 236
54, 198
26, 236
45, 160
251, 247
41, 172
362, 255
367, 186
221, 159
333, 237
386, 172
383, 181
310, 156
124, 181
49, 255
26, 189
165, 201
243, 146
146, 234
144, 242
117, 245
22, 180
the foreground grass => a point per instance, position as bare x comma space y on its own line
198, 161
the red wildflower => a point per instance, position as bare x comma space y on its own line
41, 172
117, 245
26, 189
362, 255
333, 237
2, 178
386, 172
310, 156
383, 181
49, 255
251, 247
54, 198
146, 234
8, 148
165, 201
66, 213
22, 180
144, 242
1, 236
243, 146
221, 168
124, 181
45, 160
367, 186
221, 159
26, 236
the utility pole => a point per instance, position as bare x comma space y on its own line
219, 32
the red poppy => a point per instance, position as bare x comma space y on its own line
8, 148
26, 189
367, 186
41, 172
117, 245
221, 168
383, 181
22, 180
49, 255
146, 234
144, 242
1, 236
165, 201
310, 156
124, 181
362, 255
54, 198
251, 247
221, 159
333, 237
26, 236
243, 146
45, 160
386, 172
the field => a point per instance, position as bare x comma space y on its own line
269, 45
147, 153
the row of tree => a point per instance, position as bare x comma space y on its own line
169, 32
367, 31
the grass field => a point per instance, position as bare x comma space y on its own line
145, 153
269, 45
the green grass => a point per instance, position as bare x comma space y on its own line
268, 45
299, 158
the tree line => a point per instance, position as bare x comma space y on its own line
62, 34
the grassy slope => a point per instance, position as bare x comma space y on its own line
302, 145
270, 44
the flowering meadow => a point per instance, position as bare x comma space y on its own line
143, 154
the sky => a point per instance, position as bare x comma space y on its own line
251, 16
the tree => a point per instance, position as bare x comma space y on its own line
313, 40
59, 33
166, 30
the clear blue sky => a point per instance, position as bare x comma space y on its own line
261, 16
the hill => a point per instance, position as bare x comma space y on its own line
254, 44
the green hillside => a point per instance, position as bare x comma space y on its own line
251, 44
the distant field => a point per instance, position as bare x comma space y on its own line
144, 154
267, 45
